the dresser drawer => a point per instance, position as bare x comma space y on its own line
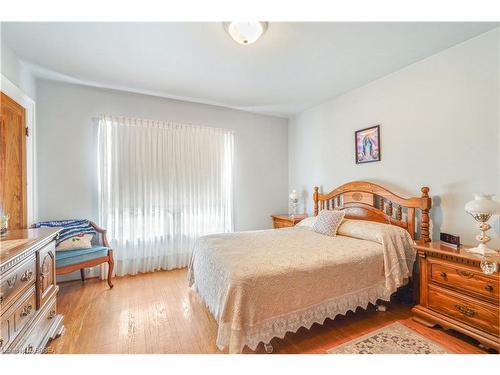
6, 331
16, 318
16, 282
40, 331
25, 312
464, 279
469, 311
36, 338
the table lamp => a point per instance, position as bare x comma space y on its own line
294, 200
481, 208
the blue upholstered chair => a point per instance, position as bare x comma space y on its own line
100, 252
79, 259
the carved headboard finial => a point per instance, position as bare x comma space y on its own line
426, 206
315, 199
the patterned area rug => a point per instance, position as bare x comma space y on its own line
392, 339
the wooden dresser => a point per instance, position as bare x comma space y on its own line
284, 221
28, 290
456, 294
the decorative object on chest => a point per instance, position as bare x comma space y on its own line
456, 294
28, 291
284, 221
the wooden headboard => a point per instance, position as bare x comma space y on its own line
366, 201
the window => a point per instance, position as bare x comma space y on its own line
162, 185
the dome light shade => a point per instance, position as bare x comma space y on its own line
245, 32
482, 204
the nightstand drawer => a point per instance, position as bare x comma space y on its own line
285, 221
464, 279
472, 312
282, 223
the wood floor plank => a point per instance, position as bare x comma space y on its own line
158, 313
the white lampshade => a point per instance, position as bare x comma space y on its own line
482, 204
294, 195
245, 32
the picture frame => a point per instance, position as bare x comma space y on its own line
367, 145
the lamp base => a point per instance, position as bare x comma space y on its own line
481, 249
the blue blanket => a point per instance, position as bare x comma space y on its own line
71, 228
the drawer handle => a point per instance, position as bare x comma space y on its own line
12, 281
26, 310
28, 349
1, 342
465, 310
1, 299
27, 276
466, 274
52, 314
443, 275
488, 287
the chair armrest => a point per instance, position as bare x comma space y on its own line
102, 231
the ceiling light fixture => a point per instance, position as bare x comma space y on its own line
245, 32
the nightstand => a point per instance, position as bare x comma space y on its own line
284, 221
456, 294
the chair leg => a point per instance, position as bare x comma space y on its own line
82, 273
111, 264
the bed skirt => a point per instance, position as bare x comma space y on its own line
235, 339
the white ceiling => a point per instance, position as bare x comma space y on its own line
294, 66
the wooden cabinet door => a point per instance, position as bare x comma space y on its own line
13, 162
46, 273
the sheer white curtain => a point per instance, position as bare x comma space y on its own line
162, 185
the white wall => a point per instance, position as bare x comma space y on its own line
439, 127
16, 71
67, 160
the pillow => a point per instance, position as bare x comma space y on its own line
308, 222
328, 222
370, 230
81, 241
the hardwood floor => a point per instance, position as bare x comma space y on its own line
158, 313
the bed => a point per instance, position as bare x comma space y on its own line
259, 285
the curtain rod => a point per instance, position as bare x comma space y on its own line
160, 122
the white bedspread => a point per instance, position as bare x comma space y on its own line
262, 284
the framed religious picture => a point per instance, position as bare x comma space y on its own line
367, 142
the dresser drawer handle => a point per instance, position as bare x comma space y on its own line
465, 310
28, 349
51, 315
27, 276
1, 299
466, 274
488, 287
1, 342
26, 310
443, 275
12, 281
